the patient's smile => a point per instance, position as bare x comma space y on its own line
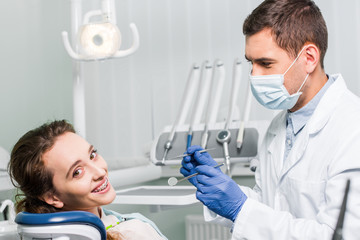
104, 187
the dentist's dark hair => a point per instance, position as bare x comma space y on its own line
27, 169
293, 24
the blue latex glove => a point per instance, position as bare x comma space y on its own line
215, 190
219, 192
189, 163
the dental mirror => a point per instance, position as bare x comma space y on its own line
173, 180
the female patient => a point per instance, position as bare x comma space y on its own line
57, 170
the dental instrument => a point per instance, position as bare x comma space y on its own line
216, 100
184, 155
213, 106
186, 100
203, 89
224, 136
173, 180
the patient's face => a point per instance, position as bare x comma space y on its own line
80, 175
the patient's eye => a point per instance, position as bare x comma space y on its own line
93, 154
77, 172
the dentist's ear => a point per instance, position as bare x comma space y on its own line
51, 199
312, 56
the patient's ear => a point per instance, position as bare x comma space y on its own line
51, 199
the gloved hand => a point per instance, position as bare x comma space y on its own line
219, 192
189, 163
215, 190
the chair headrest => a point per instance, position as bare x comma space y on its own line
81, 217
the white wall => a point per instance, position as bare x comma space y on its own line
35, 75
130, 100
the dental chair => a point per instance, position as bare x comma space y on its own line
70, 225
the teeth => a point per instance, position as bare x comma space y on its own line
103, 186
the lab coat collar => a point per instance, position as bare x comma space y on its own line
322, 112
280, 123
327, 104
276, 138
277, 130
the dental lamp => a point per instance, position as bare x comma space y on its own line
100, 40
92, 41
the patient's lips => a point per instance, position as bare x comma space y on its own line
103, 187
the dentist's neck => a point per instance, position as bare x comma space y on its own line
316, 80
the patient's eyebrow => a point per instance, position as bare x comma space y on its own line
72, 166
78, 161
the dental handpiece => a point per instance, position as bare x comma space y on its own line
224, 137
240, 137
186, 100
189, 138
167, 147
173, 180
201, 99
213, 102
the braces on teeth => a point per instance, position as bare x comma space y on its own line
103, 186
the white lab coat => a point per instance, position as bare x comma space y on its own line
300, 198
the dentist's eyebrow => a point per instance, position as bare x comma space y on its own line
262, 59
77, 162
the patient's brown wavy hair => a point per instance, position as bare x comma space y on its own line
27, 169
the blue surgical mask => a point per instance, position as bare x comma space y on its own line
269, 90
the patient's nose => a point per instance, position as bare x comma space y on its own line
97, 171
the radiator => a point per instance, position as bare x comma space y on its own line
198, 229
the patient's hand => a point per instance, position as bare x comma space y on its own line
112, 234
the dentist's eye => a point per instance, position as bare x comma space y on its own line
93, 154
77, 172
265, 64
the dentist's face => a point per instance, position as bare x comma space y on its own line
80, 175
267, 58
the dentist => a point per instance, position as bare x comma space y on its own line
311, 147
